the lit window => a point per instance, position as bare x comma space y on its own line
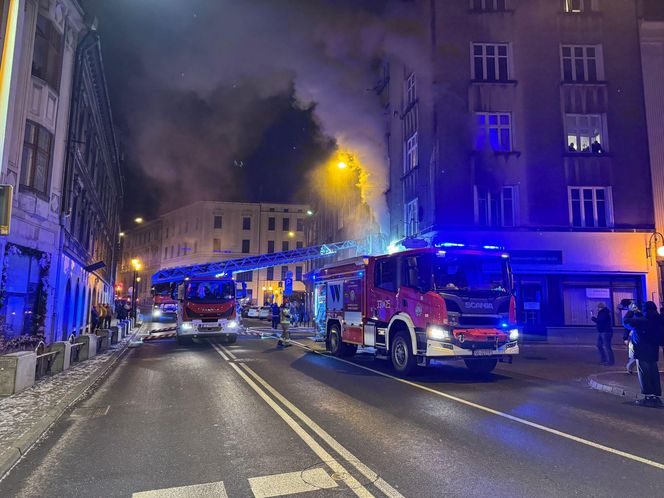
584, 133
410, 153
36, 162
496, 208
579, 6
590, 207
494, 130
216, 245
490, 61
488, 5
582, 63
412, 218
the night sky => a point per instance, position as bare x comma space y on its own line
241, 99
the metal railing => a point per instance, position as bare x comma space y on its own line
45, 360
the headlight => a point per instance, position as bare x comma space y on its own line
186, 326
232, 325
438, 333
514, 334
156, 312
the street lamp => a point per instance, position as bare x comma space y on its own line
138, 220
136, 263
342, 165
653, 240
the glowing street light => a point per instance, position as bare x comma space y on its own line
310, 212
122, 234
342, 165
291, 234
136, 263
660, 251
138, 220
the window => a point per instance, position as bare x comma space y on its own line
286, 224
584, 133
36, 162
284, 270
590, 207
410, 153
284, 245
579, 6
245, 276
216, 245
581, 63
386, 274
412, 218
218, 222
410, 88
246, 245
298, 273
246, 223
300, 225
270, 274
496, 208
271, 223
299, 244
47, 55
488, 5
195, 246
270, 246
490, 62
165, 252
494, 130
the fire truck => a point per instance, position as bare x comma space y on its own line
164, 304
450, 302
206, 295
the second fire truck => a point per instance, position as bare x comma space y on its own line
449, 303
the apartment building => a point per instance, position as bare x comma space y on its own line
523, 125
208, 231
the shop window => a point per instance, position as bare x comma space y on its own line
23, 294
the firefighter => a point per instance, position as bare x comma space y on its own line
285, 324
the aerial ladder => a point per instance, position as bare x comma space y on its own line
250, 263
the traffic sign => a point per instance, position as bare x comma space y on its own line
288, 284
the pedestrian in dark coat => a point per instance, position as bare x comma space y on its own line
276, 314
94, 319
646, 337
604, 334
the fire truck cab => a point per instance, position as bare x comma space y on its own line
207, 309
447, 303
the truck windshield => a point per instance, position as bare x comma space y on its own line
471, 272
163, 290
210, 292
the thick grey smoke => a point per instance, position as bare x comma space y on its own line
216, 74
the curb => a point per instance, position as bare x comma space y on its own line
9, 456
595, 383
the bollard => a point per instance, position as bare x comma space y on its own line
63, 360
103, 337
17, 372
89, 347
115, 334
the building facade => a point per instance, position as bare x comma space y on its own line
209, 231
524, 126
41, 255
651, 28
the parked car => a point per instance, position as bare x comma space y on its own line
253, 312
265, 313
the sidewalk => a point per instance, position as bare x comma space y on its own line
25, 416
619, 383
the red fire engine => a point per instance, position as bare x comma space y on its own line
451, 302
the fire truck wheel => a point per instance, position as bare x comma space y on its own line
334, 341
231, 339
403, 360
483, 366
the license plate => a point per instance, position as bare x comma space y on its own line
483, 352
214, 328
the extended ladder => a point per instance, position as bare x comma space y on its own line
250, 263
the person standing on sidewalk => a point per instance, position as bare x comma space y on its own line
646, 337
627, 339
604, 334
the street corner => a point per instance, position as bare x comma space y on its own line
618, 383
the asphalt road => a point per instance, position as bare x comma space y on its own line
251, 419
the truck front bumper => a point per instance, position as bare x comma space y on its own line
440, 349
224, 329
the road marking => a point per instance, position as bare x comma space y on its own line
208, 490
291, 483
507, 416
386, 488
336, 467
